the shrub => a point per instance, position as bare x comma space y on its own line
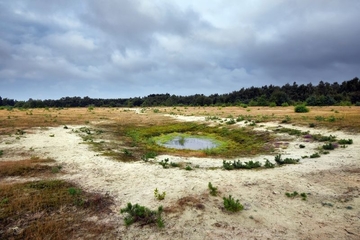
188, 168
228, 165
159, 196
164, 163
138, 213
295, 194
279, 161
232, 205
1, 152
328, 146
301, 146
345, 141
148, 155
315, 155
268, 164
213, 190
301, 109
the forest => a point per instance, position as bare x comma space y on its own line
323, 94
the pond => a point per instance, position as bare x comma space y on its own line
191, 143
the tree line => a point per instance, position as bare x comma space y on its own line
323, 94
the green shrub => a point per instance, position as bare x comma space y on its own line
1, 152
188, 168
280, 161
232, 205
345, 141
268, 164
213, 190
148, 155
301, 109
138, 213
296, 194
285, 104
301, 146
164, 163
159, 196
315, 155
228, 165
328, 146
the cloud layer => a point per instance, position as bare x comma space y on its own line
123, 48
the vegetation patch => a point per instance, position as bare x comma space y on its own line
232, 205
281, 161
143, 215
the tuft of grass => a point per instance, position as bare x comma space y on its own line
29, 167
232, 205
315, 155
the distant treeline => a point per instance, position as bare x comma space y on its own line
324, 94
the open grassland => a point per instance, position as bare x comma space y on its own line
55, 186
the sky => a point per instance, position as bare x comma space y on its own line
132, 48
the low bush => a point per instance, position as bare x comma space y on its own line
232, 205
301, 109
315, 155
138, 213
345, 141
296, 194
281, 161
269, 164
239, 165
164, 163
329, 146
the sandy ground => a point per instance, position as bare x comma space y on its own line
332, 183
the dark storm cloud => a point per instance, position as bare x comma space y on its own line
134, 48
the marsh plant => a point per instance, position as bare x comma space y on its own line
142, 214
232, 205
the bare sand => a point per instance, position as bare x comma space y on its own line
332, 183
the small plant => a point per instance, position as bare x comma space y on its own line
228, 165
1, 152
52, 135
213, 190
269, 164
188, 168
159, 196
66, 127
127, 152
345, 141
232, 205
231, 121
301, 109
164, 163
173, 164
312, 125
181, 140
315, 155
296, 194
328, 146
56, 169
138, 213
301, 146
148, 155
303, 196
74, 191
280, 161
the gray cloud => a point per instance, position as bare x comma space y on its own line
135, 48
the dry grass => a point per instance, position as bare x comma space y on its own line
28, 167
47, 209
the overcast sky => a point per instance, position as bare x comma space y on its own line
132, 48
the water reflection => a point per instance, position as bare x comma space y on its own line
191, 143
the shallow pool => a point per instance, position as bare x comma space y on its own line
192, 143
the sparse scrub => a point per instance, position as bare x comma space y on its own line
142, 214
296, 194
232, 205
